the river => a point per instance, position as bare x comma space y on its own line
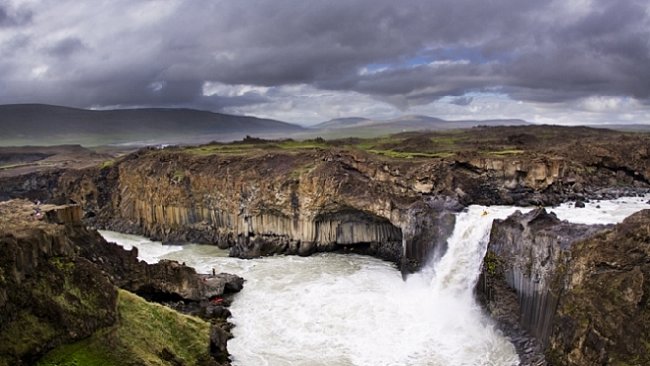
339, 310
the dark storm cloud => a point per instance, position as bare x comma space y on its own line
607, 52
532, 48
65, 47
408, 53
462, 101
327, 41
13, 17
220, 102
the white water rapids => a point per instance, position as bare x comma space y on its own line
336, 310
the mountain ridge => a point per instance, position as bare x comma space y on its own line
46, 125
39, 123
412, 123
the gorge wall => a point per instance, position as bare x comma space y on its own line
303, 203
263, 202
580, 290
45, 298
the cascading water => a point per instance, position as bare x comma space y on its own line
458, 269
333, 309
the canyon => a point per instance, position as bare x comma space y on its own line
396, 199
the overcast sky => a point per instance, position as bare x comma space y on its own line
563, 61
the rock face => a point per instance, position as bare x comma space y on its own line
429, 224
299, 204
68, 214
265, 205
271, 200
603, 315
162, 281
524, 253
48, 296
551, 279
58, 281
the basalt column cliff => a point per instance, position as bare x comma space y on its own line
580, 290
261, 198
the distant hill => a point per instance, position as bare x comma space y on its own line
342, 123
38, 124
367, 127
624, 127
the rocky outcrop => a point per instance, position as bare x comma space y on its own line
68, 214
262, 199
535, 174
299, 204
603, 314
429, 223
58, 281
48, 295
162, 281
524, 253
534, 280
32, 186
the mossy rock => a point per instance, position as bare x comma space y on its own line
492, 265
145, 334
62, 302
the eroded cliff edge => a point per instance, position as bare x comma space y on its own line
582, 291
60, 293
392, 198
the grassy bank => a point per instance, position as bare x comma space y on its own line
145, 334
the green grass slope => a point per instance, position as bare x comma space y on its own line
145, 334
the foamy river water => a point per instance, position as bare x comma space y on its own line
336, 310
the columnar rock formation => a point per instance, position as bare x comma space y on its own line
68, 214
525, 251
279, 202
266, 199
572, 286
262, 205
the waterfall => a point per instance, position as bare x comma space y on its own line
456, 272
346, 310
350, 310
